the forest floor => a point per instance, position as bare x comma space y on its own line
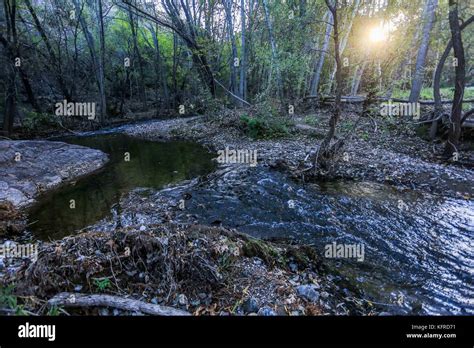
217, 271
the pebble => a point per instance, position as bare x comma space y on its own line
293, 267
195, 303
308, 292
250, 305
266, 312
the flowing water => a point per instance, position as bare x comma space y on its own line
418, 249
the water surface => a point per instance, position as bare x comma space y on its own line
150, 165
419, 255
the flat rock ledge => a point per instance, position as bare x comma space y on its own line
30, 167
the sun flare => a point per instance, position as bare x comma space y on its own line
378, 34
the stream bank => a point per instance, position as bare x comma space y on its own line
236, 189
387, 155
31, 167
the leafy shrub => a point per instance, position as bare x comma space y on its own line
265, 123
34, 120
312, 120
10, 301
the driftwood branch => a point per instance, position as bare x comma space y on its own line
67, 299
232, 94
352, 99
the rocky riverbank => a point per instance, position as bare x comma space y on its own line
200, 269
28, 168
31, 167
154, 251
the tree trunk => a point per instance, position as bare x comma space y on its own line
357, 77
103, 100
274, 50
437, 81
10, 103
49, 48
161, 74
10, 98
67, 299
322, 55
98, 70
326, 151
452, 144
243, 55
138, 57
344, 43
417, 81
230, 30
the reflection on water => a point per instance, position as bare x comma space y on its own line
419, 256
151, 165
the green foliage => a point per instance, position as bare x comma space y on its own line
102, 283
10, 301
257, 248
265, 123
347, 126
427, 93
365, 135
311, 120
423, 132
34, 121
253, 127
257, 128
53, 311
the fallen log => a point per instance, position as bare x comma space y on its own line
357, 99
68, 299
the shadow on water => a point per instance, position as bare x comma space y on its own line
151, 165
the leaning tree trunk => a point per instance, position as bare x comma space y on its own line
417, 81
49, 48
452, 143
437, 82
